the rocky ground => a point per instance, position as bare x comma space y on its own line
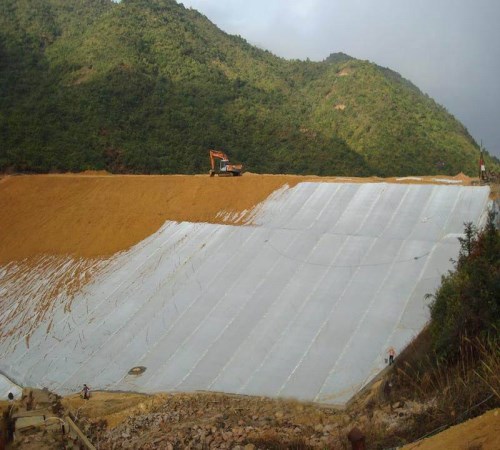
200, 421
219, 421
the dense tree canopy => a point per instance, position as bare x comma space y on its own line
149, 86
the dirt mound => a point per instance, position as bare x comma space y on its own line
461, 176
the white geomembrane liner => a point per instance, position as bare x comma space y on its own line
8, 387
301, 303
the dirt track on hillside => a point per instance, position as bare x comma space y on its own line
96, 215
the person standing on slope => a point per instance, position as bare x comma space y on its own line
392, 354
86, 392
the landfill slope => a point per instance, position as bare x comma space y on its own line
301, 300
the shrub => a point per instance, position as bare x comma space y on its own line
467, 305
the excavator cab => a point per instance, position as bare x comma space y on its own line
223, 165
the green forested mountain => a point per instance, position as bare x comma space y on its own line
149, 86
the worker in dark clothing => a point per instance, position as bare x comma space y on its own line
86, 392
392, 354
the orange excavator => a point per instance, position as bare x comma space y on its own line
224, 168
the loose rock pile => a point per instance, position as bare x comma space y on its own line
202, 421
220, 421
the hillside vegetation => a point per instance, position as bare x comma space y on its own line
453, 366
148, 86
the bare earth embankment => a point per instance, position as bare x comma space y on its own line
94, 216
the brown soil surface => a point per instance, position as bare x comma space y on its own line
483, 433
114, 407
94, 215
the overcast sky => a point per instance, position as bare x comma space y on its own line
449, 48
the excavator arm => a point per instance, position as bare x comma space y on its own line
216, 154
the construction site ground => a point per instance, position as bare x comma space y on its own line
95, 215
221, 421
115, 420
